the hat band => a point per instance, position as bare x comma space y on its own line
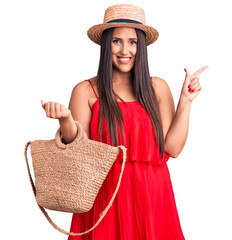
124, 20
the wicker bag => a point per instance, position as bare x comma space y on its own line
68, 177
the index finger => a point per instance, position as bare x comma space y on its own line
198, 72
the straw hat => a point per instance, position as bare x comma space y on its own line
123, 15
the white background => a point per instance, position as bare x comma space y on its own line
45, 52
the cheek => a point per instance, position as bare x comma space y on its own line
114, 61
134, 54
134, 51
114, 58
115, 48
114, 54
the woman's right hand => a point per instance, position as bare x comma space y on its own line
56, 110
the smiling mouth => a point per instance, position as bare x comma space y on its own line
124, 59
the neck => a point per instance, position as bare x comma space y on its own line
120, 77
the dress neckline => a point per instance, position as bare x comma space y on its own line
117, 102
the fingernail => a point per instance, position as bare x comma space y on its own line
189, 85
190, 90
185, 69
193, 90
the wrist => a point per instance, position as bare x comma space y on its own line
65, 119
184, 100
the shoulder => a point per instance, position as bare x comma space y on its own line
84, 92
159, 83
85, 84
83, 89
81, 86
160, 87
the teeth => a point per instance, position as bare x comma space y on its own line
124, 59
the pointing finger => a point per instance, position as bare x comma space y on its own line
198, 72
187, 77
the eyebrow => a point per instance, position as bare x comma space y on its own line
121, 38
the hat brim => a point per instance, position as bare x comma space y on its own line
95, 32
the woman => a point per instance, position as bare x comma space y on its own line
123, 105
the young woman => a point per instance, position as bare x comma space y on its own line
123, 105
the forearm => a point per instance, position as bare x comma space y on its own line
68, 129
178, 131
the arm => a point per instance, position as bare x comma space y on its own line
176, 130
175, 124
167, 108
80, 111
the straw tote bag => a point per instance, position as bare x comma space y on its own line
69, 176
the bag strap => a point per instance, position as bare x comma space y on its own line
101, 215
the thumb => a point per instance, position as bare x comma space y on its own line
187, 77
43, 102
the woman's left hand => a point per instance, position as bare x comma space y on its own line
191, 87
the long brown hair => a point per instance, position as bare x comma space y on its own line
142, 87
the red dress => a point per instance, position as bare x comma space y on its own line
144, 207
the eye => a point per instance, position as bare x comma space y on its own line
133, 42
116, 41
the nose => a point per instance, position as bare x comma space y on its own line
124, 49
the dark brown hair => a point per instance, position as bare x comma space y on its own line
142, 87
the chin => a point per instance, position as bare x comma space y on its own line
125, 69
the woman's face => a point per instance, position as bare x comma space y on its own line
124, 48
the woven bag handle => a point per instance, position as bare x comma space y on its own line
101, 215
